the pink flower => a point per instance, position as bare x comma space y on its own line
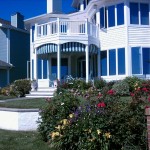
147, 107
102, 104
111, 92
149, 99
132, 94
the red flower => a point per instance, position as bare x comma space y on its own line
144, 89
132, 94
102, 104
111, 92
147, 107
149, 99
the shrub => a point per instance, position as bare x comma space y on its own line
57, 109
5, 91
99, 83
20, 87
121, 88
133, 82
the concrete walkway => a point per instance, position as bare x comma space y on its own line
14, 99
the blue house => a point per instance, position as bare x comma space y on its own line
14, 49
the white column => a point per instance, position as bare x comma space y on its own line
35, 32
98, 64
81, 5
87, 62
58, 62
128, 64
35, 66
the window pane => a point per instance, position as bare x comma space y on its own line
144, 8
136, 60
33, 30
121, 61
104, 63
112, 62
39, 69
120, 14
44, 69
146, 60
134, 18
102, 17
111, 16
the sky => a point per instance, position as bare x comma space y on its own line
28, 8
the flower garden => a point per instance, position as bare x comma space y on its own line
107, 116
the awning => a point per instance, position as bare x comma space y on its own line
4, 65
66, 47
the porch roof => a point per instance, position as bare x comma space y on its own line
4, 65
66, 47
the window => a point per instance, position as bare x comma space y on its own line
146, 60
136, 60
39, 30
33, 30
44, 29
134, 17
44, 69
112, 62
121, 61
103, 17
39, 69
111, 16
104, 63
120, 14
144, 9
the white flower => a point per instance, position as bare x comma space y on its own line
62, 104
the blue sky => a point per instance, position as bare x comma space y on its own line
28, 8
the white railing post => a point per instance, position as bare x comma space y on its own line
48, 29
86, 26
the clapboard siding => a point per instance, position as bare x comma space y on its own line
112, 38
139, 36
3, 44
19, 54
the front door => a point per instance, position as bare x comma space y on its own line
82, 68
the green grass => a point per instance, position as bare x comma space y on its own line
3, 97
25, 104
16, 140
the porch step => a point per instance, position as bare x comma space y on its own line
42, 93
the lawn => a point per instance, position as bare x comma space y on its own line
16, 140
25, 104
2, 97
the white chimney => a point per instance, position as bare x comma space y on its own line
54, 6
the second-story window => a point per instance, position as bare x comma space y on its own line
114, 18
111, 16
139, 13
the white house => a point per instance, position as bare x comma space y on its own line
104, 38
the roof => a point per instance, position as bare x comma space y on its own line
5, 22
4, 65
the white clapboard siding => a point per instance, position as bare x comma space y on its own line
139, 36
112, 38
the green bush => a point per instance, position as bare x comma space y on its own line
121, 88
57, 109
99, 83
107, 122
133, 82
20, 87
5, 91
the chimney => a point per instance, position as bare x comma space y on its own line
17, 20
54, 6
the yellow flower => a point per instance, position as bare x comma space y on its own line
71, 115
65, 121
62, 127
54, 134
90, 131
108, 135
58, 127
91, 140
98, 132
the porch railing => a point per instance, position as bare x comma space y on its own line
67, 28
